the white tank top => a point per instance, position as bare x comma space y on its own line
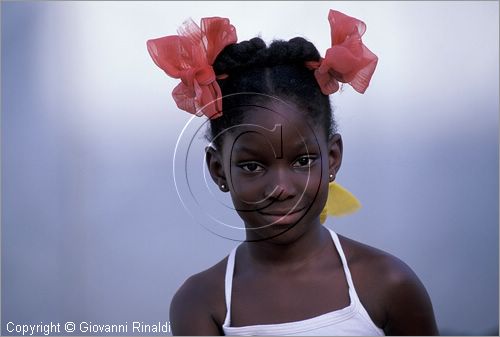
349, 321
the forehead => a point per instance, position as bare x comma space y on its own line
275, 122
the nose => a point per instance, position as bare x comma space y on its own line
280, 186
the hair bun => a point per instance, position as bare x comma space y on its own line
255, 53
238, 56
296, 50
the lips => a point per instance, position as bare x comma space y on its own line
282, 216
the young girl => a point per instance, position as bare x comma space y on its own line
275, 149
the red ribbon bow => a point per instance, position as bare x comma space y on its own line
189, 56
348, 60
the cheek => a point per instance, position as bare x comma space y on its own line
317, 192
245, 196
246, 192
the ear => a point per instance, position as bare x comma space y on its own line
335, 149
216, 167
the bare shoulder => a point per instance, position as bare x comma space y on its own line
378, 263
198, 307
391, 292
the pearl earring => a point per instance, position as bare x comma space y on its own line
331, 176
222, 187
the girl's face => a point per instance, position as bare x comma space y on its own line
276, 165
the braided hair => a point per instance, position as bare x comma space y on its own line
278, 71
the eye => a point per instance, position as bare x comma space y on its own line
304, 161
251, 167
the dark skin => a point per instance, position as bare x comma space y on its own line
266, 171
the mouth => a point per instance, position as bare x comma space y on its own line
282, 217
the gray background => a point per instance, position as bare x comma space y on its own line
92, 227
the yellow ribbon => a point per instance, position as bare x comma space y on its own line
340, 202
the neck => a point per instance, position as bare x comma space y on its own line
267, 253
